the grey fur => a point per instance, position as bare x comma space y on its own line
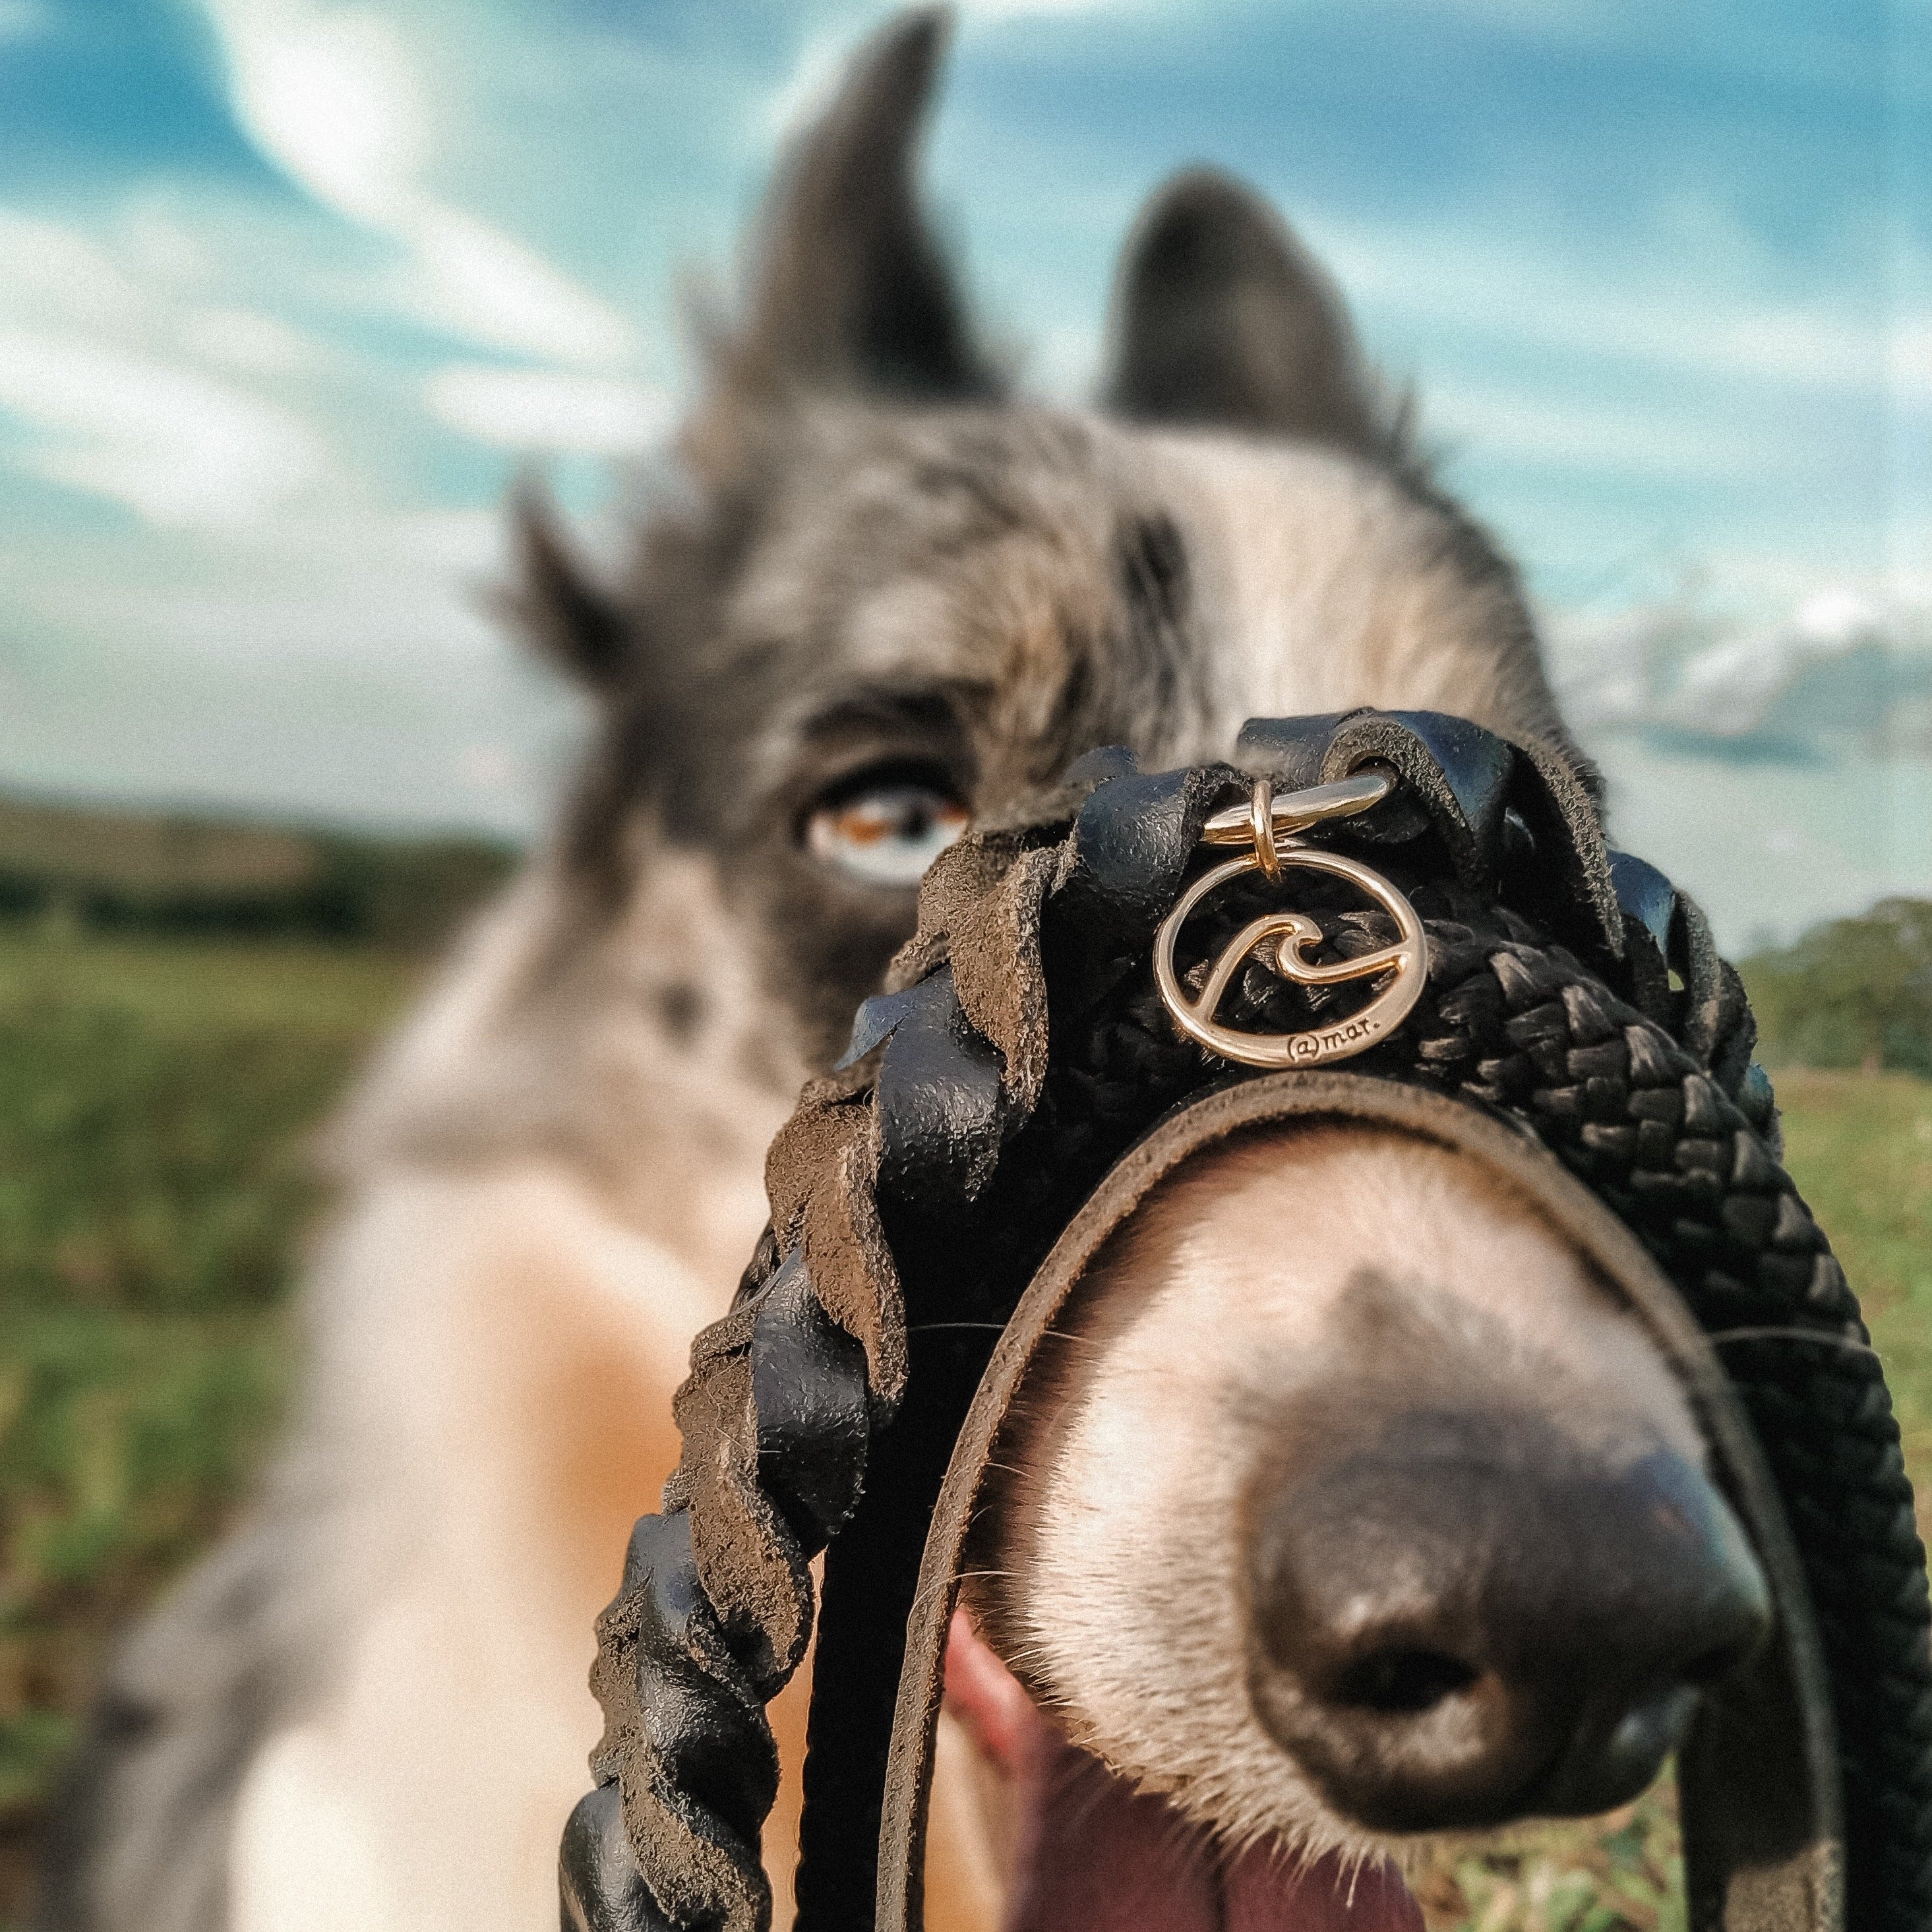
141, 1839
144, 1838
853, 293
1222, 317
873, 564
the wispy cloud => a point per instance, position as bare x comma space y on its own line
333, 97
341, 665
490, 288
132, 372
1471, 279
22, 19
1653, 444
109, 379
339, 584
242, 340
546, 409
174, 446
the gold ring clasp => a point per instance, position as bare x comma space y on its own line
1274, 851
1261, 825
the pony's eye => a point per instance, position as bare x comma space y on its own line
886, 834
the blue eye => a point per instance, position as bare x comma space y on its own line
887, 836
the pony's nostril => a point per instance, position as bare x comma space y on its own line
1403, 1679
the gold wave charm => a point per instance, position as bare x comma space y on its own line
1269, 824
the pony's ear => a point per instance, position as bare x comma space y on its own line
572, 622
1222, 317
851, 292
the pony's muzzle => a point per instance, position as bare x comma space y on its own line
1459, 1618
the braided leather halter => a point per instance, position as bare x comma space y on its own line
954, 1175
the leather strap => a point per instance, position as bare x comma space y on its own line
1758, 1780
1514, 817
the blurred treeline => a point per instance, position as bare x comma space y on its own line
113, 872
1853, 993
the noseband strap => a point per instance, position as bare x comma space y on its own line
981, 1136
1759, 1786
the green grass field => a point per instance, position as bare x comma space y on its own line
155, 1101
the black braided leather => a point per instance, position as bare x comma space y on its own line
1635, 1117
688, 1653
1647, 1094
1511, 1021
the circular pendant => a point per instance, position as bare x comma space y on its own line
1286, 935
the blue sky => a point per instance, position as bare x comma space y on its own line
288, 289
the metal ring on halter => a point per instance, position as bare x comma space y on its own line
1292, 932
1296, 810
1260, 821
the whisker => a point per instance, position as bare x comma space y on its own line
958, 1576
1026, 1652
1000, 1328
